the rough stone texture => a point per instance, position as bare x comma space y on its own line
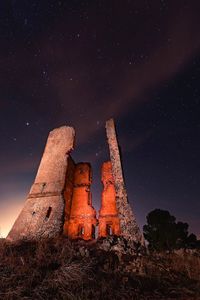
128, 225
82, 220
108, 215
43, 212
121, 246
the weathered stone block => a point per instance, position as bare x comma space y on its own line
40, 218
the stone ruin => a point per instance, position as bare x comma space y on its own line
60, 200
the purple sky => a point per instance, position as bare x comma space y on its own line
82, 62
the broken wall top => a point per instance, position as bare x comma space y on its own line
83, 174
52, 170
106, 173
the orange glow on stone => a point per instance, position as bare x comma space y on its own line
108, 216
82, 220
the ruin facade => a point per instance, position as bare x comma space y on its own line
82, 221
108, 214
60, 200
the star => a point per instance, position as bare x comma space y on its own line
27, 123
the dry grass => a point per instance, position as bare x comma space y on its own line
57, 269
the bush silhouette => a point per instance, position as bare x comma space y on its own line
163, 233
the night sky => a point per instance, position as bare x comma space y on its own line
81, 62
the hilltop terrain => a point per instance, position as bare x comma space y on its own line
106, 269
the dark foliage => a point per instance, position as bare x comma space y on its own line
163, 233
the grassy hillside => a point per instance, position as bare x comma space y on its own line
60, 269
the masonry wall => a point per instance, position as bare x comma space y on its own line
60, 199
43, 212
129, 228
108, 215
82, 219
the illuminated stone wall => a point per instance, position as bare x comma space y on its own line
60, 200
43, 212
82, 219
108, 215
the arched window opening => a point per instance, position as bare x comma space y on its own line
81, 230
108, 229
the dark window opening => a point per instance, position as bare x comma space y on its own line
81, 230
108, 229
43, 186
93, 231
48, 212
33, 213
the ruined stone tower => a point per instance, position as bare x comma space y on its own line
108, 214
43, 212
60, 200
82, 219
128, 225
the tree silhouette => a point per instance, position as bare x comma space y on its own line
163, 233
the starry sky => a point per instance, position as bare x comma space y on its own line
81, 62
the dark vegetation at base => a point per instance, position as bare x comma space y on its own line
61, 269
163, 232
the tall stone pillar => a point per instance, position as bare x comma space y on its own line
43, 212
108, 216
82, 220
128, 225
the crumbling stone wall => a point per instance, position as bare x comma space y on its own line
108, 215
128, 225
60, 198
43, 212
82, 220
